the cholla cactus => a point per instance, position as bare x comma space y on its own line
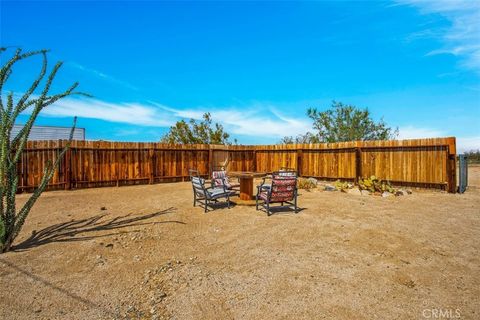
11, 148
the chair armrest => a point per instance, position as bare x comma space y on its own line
263, 182
263, 187
225, 189
230, 178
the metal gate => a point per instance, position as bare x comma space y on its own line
462, 173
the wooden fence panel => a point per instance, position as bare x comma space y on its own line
422, 162
272, 158
415, 165
330, 164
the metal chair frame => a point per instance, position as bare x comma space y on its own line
268, 189
207, 196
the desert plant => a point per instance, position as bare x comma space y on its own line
373, 184
11, 148
306, 184
343, 185
473, 156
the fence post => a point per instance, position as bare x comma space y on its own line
117, 165
25, 170
358, 163
451, 174
67, 169
210, 159
151, 154
452, 166
254, 166
299, 162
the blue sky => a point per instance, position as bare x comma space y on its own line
256, 66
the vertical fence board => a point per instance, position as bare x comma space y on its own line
422, 162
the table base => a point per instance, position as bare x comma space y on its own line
240, 202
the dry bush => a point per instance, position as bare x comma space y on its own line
306, 184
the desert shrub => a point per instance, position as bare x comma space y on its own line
343, 185
473, 156
306, 184
373, 184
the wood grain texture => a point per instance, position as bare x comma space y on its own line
420, 162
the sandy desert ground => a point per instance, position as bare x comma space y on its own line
148, 254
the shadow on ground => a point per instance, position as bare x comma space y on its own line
69, 294
280, 210
80, 230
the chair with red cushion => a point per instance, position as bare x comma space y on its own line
286, 172
282, 190
220, 179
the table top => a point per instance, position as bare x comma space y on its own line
246, 174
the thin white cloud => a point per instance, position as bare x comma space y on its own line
249, 121
462, 37
187, 114
463, 143
102, 75
411, 132
255, 124
468, 144
256, 120
130, 113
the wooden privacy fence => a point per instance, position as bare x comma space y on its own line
419, 162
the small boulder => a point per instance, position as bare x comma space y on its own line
365, 193
386, 194
354, 191
329, 187
313, 181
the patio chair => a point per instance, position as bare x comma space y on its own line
220, 179
282, 173
286, 172
207, 196
282, 190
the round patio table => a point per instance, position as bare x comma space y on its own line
246, 184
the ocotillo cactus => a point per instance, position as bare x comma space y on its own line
11, 148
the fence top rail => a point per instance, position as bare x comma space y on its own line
428, 160
110, 145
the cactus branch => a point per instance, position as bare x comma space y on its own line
11, 148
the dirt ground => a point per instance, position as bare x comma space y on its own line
149, 254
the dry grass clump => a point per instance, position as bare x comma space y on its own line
307, 183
